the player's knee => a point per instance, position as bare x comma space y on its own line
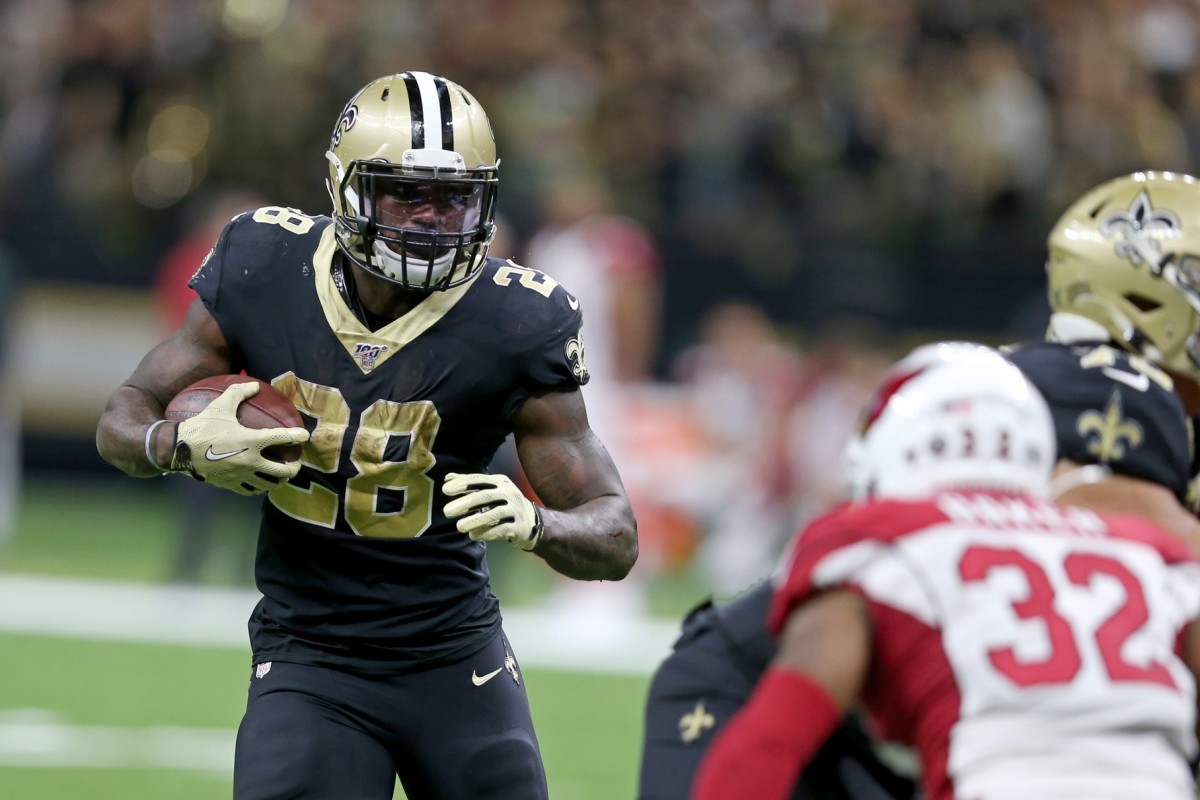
288, 746
270, 765
506, 765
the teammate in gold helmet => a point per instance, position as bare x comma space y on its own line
1124, 266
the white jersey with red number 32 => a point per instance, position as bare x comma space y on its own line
1027, 650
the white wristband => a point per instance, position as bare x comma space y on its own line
150, 435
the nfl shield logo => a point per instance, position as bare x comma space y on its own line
367, 353
262, 669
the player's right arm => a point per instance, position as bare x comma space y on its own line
129, 438
817, 673
819, 669
197, 349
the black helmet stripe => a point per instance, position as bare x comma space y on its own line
429, 105
416, 110
443, 93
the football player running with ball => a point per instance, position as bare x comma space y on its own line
377, 646
1023, 648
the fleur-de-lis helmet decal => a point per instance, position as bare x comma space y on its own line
1136, 231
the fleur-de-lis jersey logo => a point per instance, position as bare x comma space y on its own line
574, 351
693, 724
1138, 230
510, 664
1111, 431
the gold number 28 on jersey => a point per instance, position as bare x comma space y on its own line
383, 419
418, 421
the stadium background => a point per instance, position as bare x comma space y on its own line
816, 184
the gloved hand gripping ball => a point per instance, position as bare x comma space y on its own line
237, 433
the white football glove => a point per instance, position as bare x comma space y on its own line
215, 448
492, 508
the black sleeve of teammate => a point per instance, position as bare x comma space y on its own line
1112, 410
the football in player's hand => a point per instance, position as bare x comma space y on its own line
270, 408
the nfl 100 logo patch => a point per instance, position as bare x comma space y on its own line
367, 354
260, 670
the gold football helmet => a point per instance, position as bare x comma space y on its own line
413, 176
1124, 265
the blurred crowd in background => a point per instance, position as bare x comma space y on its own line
759, 202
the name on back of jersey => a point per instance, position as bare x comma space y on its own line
1023, 514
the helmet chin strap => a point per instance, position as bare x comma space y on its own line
1068, 328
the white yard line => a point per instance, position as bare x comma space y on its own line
582, 638
41, 739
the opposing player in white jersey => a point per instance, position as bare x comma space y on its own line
1023, 649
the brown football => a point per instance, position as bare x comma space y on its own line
270, 408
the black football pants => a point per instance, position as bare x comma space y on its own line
455, 732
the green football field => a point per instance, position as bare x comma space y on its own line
83, 717
108, 721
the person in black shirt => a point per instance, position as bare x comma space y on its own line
377, 646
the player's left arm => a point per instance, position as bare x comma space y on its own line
816, 675
589, 529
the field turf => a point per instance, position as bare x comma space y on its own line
103, 720
120, 721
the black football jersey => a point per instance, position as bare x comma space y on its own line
743, 621
1112, 408
356, 562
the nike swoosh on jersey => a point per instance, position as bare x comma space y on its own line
212, 456
480, 680
1141, 381
572, 302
